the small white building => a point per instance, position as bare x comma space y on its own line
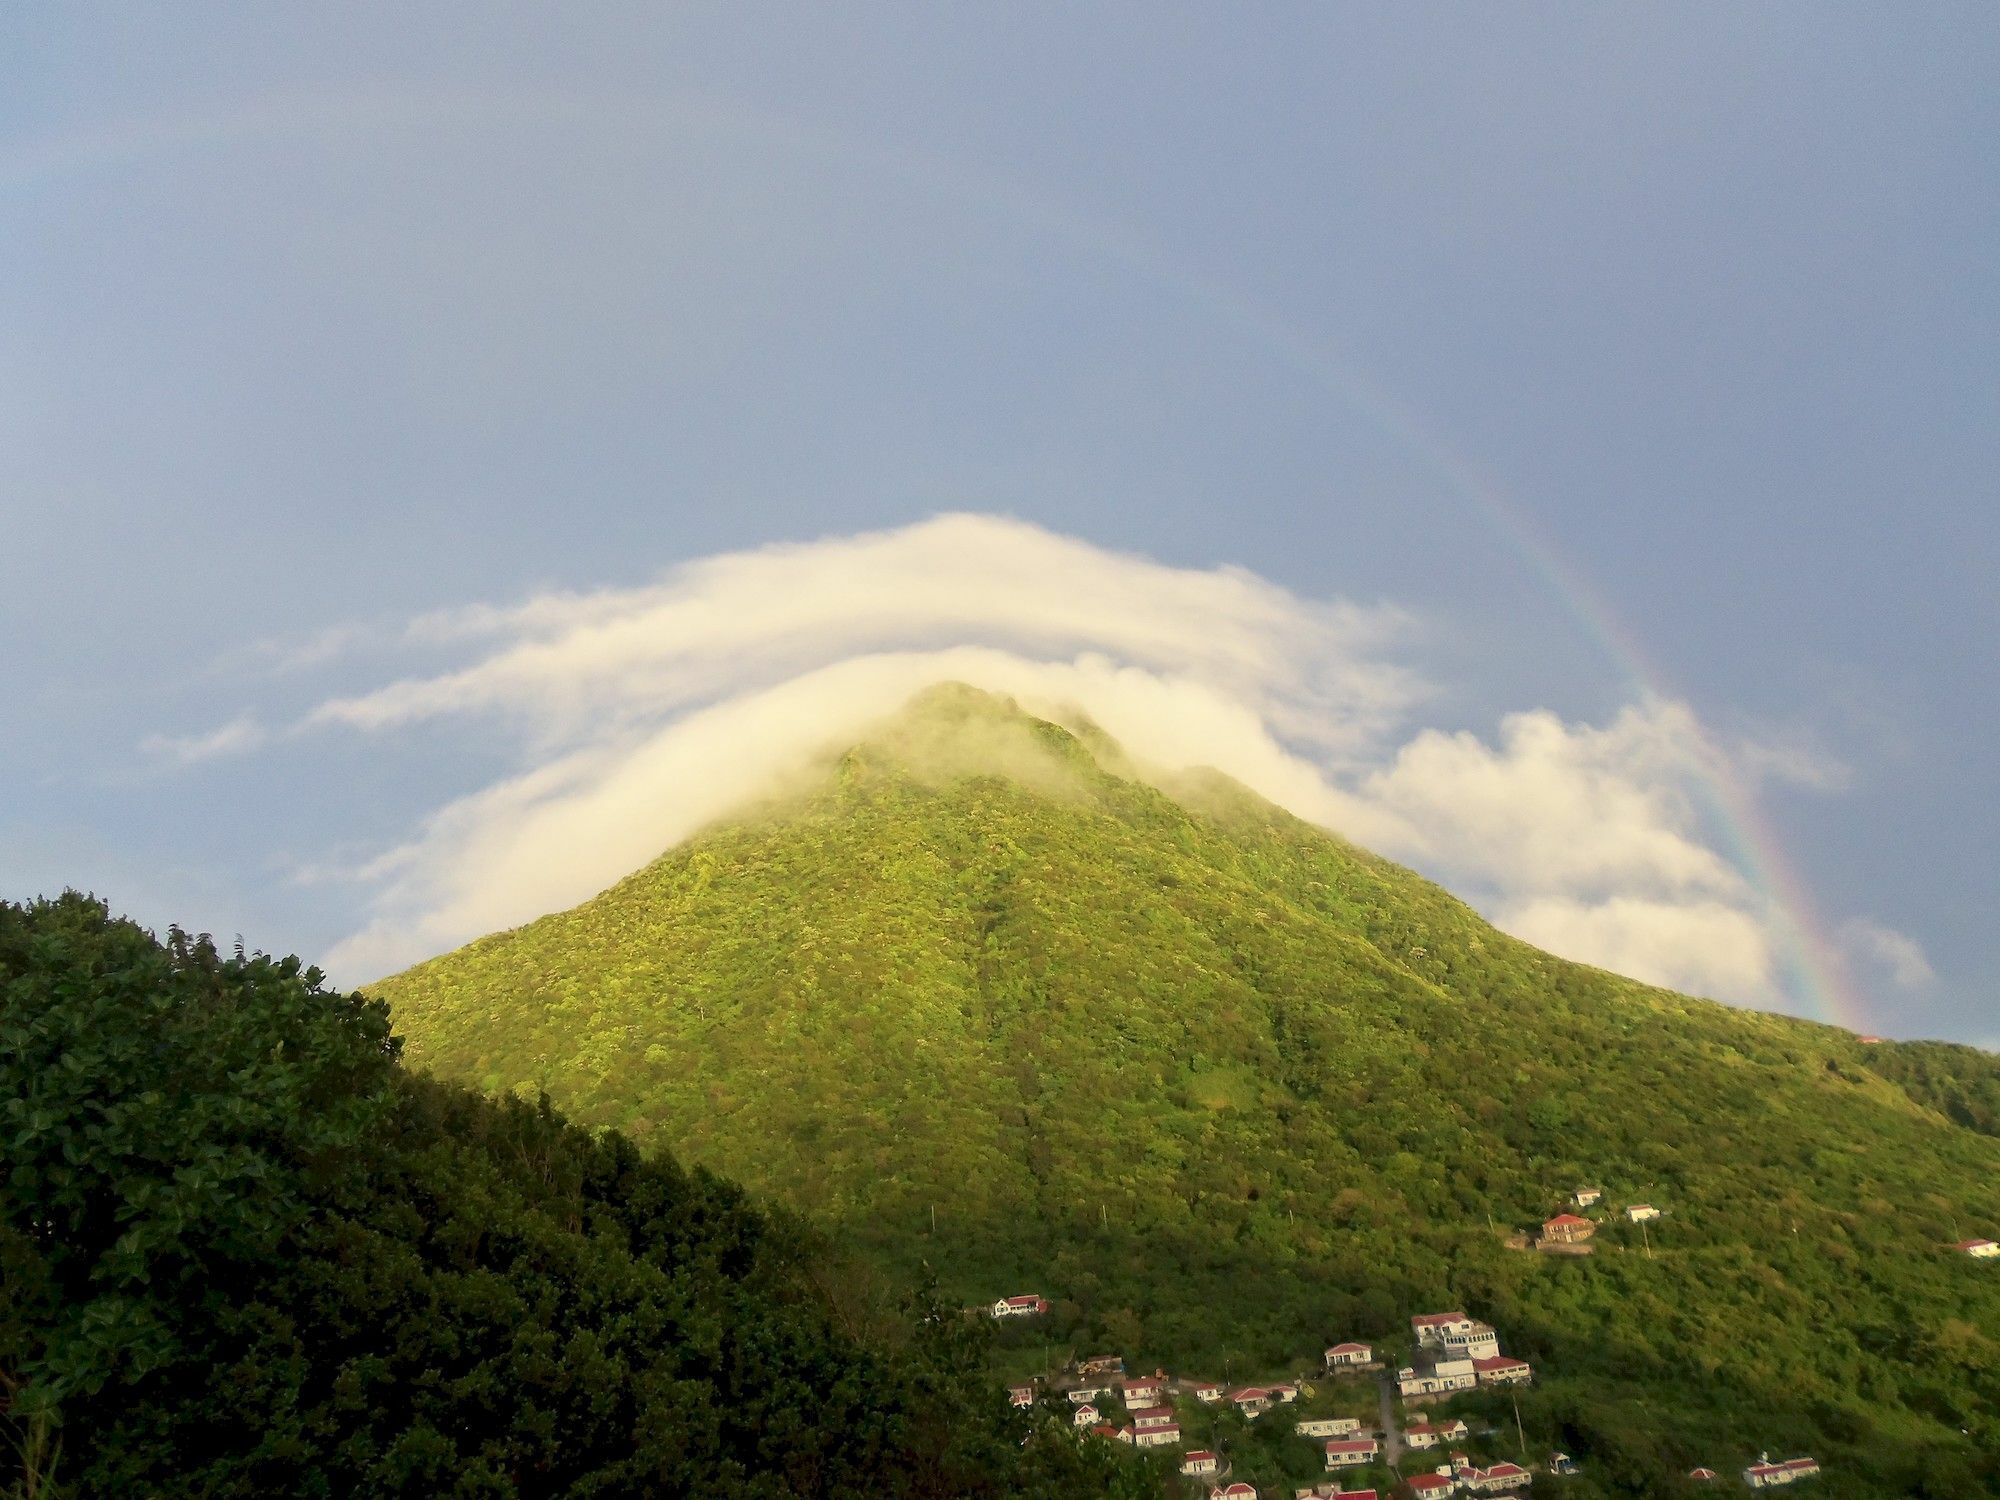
1238, 1491
1350, 1453
1639, 1213
1502, 1371
1200, 1461
1421, 1435
1439, 1378
1765, 1475
1584, 1197
1501, 1479
1251, 1400
1086, 1415
1168, 1436
1349, 1356
1085, 1393
1021, 1395
1207, 1392
1152, 1416
1326, 1427
1144, 1391
1019, 1307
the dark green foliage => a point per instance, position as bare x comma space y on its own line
242, 1253
1227, 1087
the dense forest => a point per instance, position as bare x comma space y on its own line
988, 998
244, 1252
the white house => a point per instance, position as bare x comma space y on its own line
1326, 1427
1251, 1400
1152, 1416
1085, 1393
1144, 1391
1086, 1415
1439, 1378
1200, 1461
1584, 1197
1429, 1486
1638, 1213
1021, 1395
1421, 1435
1168, 1436
1502, 1371
1978, 1249
1348, 1453
1454, 1430
1501, 1479
1765, 1475
1477, 1342
1237, 1491
1430, 1328
1348, 1356
1019, 1307
1207, 1392
1285, 1392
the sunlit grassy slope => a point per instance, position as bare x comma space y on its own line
1227, 1086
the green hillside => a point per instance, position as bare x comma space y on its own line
244, 1254
1226, 1088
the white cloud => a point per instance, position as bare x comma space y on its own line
1884, 951
647, 712
239, 736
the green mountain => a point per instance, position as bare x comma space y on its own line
983, 995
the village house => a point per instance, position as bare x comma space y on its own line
1142, 1390
1421, 1435
1285, 1392
1019, 1307
1978, 1249
1587, 1196
1349, 1356
1251, 1400
1206, 1391
1639, 1213
1086, 1415
1237, 1491
1349, 1453
1501, 1479
1477, 1342
1200, 1461
1152, 1416
1085, 1393
1168, 1436
1430, 1328
1429, 1486
1454, 1430
1021, 1395
1702, 1476
1326, 1427
1567, 1229
1500, 1370
1439, 1378
1764, 1474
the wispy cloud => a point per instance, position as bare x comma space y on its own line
240, 735
1882, 950
646, 712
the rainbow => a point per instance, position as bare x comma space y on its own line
1811, 970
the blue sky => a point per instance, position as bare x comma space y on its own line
1628, 363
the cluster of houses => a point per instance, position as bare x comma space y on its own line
1574, 1229
1456, 1353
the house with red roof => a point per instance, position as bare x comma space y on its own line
1206, 1391
1151, 1416
1086, 1415
1567, 1229
1765, 1475
1978, 1249
1251, 1400
1238, 1491
1429, 1486
1348, 1453
1430, 1328
1349, 1356
1142, 1390
1166, 1435
1421, 1435
1703, 1476
1019, 1307
1326, 1427
1199, 1461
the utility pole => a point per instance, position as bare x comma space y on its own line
1647, 1238
1517, 1425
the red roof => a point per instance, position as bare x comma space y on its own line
1429, 1484
1438, 1320
1566, 1220
1249, 1393
1196, 1453
1030, 1300
1504, 1470
1236, 1489
1347, 1348
1498, 1362
1701, 1473
1354, 1495
1970, 1244
1140, 1413
1351, 1445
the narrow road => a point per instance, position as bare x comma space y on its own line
1392, 1437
